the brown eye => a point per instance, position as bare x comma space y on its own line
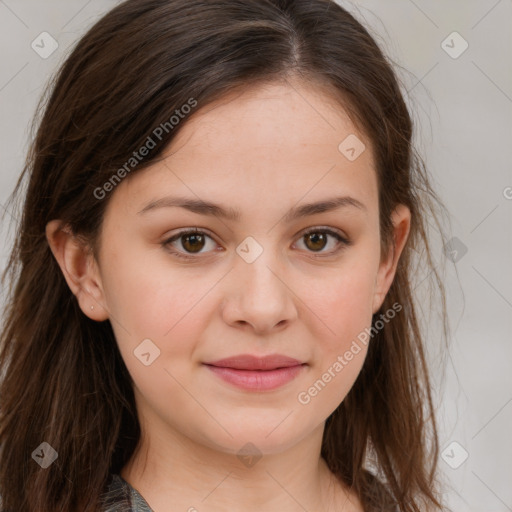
188, 243
315, 241
193, 242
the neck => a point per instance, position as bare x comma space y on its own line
195, 477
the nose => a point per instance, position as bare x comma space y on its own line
258, 295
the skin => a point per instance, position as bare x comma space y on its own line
262, 152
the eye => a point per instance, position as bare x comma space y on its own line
316, 239
193, 241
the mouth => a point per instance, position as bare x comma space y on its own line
257, 373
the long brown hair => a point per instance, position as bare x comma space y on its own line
63, 379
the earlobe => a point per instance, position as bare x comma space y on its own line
79, 268
401, 218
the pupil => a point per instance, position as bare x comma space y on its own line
315, 237
194, 239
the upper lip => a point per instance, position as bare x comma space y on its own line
249, 362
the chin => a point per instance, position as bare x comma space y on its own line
263, 440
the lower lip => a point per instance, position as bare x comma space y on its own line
257, 380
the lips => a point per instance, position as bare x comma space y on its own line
249, 362
257, 374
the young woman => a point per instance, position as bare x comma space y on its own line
210, 293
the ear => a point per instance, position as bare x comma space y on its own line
401, 218
80, 269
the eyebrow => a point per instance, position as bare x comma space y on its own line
209, 208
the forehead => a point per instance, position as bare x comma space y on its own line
283, 139
273, 116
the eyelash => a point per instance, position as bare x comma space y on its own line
343, 242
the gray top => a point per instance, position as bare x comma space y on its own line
122, 497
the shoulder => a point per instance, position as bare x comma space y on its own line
116, 497
373, 496
377, 495
120, 496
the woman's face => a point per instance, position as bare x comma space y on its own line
251, 283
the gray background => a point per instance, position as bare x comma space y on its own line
462, 107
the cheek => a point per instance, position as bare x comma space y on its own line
342, 319
342, 305
149, 298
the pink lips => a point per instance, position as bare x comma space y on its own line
257, 373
